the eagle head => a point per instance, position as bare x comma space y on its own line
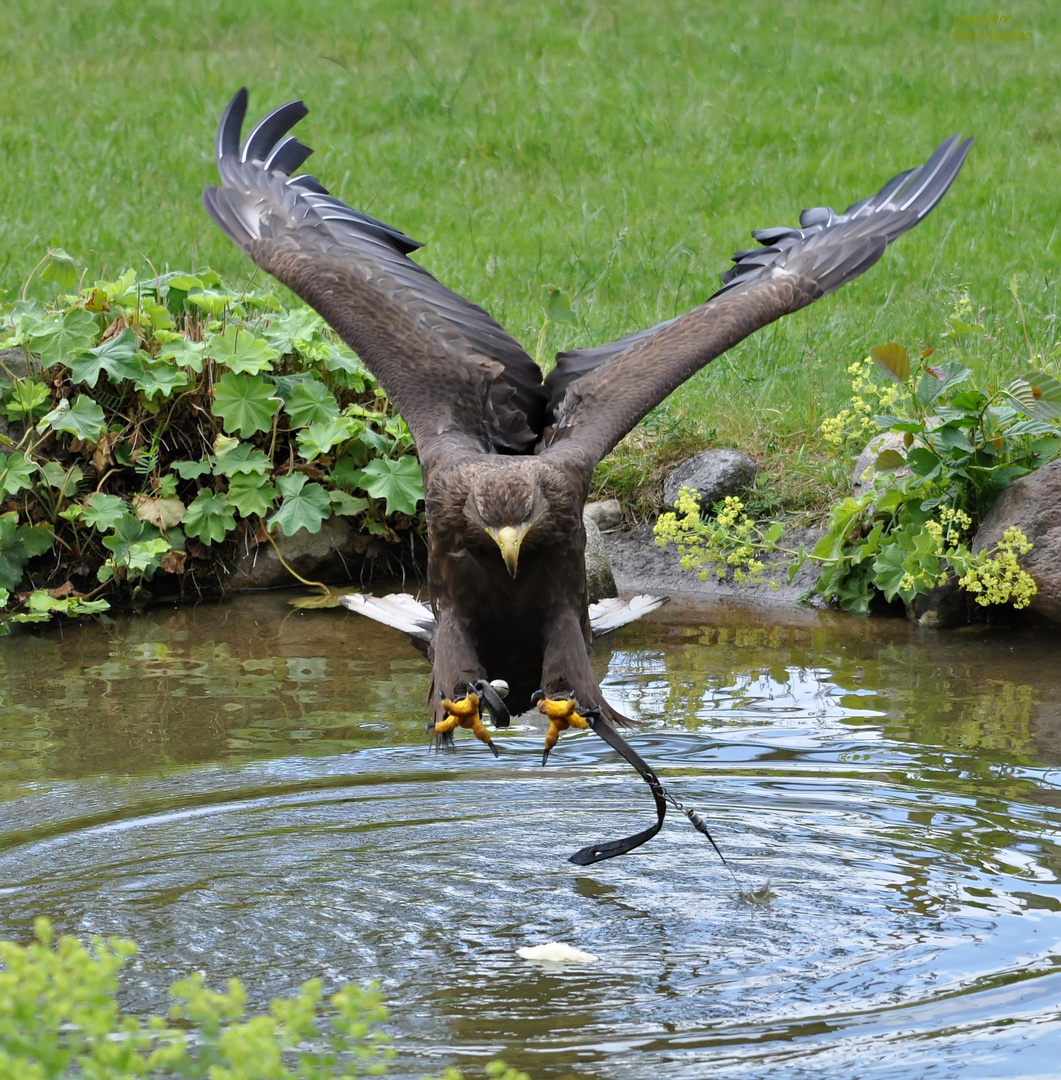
506, 502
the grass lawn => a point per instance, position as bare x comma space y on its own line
619, 152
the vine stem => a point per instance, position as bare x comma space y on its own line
294, 573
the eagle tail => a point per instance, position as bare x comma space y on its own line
399, 610
607, 615
403, 612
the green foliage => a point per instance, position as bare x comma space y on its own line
396, 481
105, 460
60, 1018
958, 447
245, 403
304, 506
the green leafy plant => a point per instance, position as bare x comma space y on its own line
957, 447
152, 423
60, 1018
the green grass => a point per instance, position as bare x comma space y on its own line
619, 152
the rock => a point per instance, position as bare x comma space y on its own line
641, 566
338, 552
14, 362
1033, 505
713, 473
864, 473
313, 555
599, 578
942, 606
605, 515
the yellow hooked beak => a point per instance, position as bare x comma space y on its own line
508, 539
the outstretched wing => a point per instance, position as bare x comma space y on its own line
598, 395
448, 367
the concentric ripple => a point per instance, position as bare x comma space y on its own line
913, 927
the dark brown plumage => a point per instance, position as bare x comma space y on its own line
507, 456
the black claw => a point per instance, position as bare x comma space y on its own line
537, 696
545, 756
498, 710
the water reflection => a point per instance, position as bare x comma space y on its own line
246, 790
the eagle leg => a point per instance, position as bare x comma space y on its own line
465, 714
562, 713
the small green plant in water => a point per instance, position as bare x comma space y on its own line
60, 1018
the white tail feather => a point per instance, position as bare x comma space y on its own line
607, 615
399, 610
403, 612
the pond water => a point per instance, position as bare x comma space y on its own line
248, 790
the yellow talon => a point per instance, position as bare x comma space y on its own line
465, 714
562, 713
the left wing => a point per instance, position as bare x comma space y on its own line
599, 394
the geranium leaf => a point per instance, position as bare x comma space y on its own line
211, 301
59, 340
340, 358
321, 436
103, 512
209, 518
311, 402
16, 473
399, 482
26, 318
37, 539
251, 494
83, 419
62, 269
347, 504
60, 478
240, 351
24, 398
191, 470
242, 458
161, 378
183, 353
305, 506
162, 513
245, 403
117, 357
18, 544
13, 555
289, 329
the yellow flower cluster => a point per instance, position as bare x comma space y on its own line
868, 399
996, 577
710, 546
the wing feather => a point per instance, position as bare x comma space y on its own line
448, 367
599, 394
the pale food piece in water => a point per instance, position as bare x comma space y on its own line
556, 952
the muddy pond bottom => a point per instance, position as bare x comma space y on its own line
248, 792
